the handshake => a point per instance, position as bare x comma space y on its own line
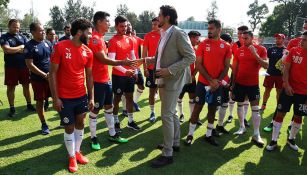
136, 63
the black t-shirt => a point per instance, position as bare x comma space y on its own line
274, 55
40, 53
16, 60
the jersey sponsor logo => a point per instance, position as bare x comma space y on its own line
297, 59
222, 45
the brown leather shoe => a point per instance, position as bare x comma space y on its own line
161, 161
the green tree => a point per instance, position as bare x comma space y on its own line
191, 18
4, 3
74, 9
28, 18
257, 13
122, 9
132, 18
144, 24
212, 11
57, 18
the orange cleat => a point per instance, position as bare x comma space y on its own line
73, 166
81, 159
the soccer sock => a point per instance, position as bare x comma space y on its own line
276, 130
152, 108
69, 140
231, 106
192, 129
78, 139
191, 106
124, 102
210, 127
294, 129
222, 113
116, 120
130, 117
246, 105
93, 124
110, 122
137, 95
256, 119
180, 106
241, 114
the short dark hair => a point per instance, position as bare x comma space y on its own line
170, 11
33, 26
11, 21
226, 37
80, 24
242, 28
194, 33
67, 26
100, 15
249, 32
120, 19
155, 19
48, 30
216, 22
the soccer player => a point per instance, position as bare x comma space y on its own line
67, 33
295, 42
190, 88
71, 64
235, 47
103, 96
123, 77
15, 69
247, 62
212, 61
51, 36
150, 45
37, 54
294, 92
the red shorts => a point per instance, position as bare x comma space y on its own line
41, 90
270, 81
15, 76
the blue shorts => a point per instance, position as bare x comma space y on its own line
140, 80
239, 93
71, 108
122, 84
212, 98
299, 101
102, 94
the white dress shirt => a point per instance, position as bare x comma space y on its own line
164, 35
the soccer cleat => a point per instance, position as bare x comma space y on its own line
229, 120
211, 140
240, 131
246, 123
81, 159
221, 129
292, 144
268, 128
116, 138
31, 108
125, 113
188, 140
181, 118
215, 133
45, 129
272, 146
73, 166
199, 123
152, 117
257, 140
95, 145
117, 128
12, 112
134, 126
136, 107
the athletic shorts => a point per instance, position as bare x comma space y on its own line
122, 84
102, 94
15, 76
239, 93
273, 81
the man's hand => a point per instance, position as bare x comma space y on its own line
214, 84
130, 73
163, 73
128, 62
288, 89
91, 104
253, 50
21, 47
57, 104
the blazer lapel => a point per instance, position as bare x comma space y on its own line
167, 39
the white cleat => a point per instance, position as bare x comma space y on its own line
240, 131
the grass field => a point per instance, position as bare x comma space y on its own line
23, 150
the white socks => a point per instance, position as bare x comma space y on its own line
231, 106
210, 127
110, 122
180, 106
246, 105
93, 124
222, 113
191, 106
192, 129
241, 114
256, 119
294, 129
69, 140
78, 139
276, 130
130, 117
116, 120
137, 95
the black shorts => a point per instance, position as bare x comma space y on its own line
140, 80
212, 98
225, 95
71, 108
189, 88
239, 93
103, 94
285, 102
122, 84
150, 82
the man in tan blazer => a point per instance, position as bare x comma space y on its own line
172, 71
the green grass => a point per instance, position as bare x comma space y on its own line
23, 150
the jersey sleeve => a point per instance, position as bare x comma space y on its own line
200, 50
112, 46
28, 51
89, 63
263, 53
55, 55
95, 45
3, 40
146, 41
228, 52
140, 41
289, 56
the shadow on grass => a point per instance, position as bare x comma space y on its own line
21, 112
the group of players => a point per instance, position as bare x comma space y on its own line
74, 71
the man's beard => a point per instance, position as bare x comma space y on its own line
83, 39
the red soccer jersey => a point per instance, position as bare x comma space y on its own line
122, 47
213, 54
294, 43
235, 47
248, 68
137, 42
192, 66
100, 70
298, 71
71, 60
151, 41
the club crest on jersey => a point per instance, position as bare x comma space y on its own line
197, 99
279, 106
65, 120
222, 45
118, 90
95, 41
96, 105
148, 83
